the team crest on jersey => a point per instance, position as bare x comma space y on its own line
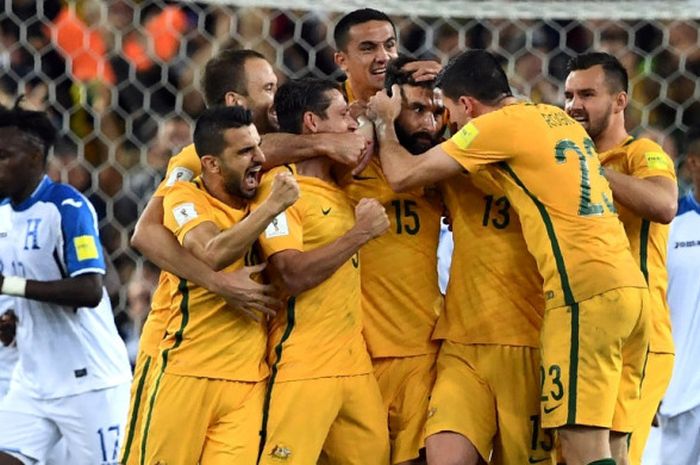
184, 213
278, 227
281, 452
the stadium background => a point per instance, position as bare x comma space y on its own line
121, 78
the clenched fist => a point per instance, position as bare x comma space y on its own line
285, 191
370, 217
383, 108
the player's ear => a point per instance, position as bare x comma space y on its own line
310, 121
621, 101
234, 98
466, 103
340, 59
210, 164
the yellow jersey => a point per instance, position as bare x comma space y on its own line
494, 295
643, 158
401, 298
320, 334
547, 165
184, 166
206, 337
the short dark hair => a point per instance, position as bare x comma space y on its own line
341, 33
225, 72
615, 73
474, 73
34, 125
395, 74
209, 130
296, 97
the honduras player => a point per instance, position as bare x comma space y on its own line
72, 378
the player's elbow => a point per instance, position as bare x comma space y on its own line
92, 298
398, 184
666, 212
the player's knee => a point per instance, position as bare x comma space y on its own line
448, 448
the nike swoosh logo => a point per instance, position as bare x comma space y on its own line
550, 410
533, 460
357, 177
72, 203
325, 212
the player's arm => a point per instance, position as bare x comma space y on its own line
80, 291
654, 198
219, 249
283, 148
300, 271
159, 245
403, 170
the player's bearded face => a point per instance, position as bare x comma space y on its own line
589, 100
419, 125
241, 163
261, 85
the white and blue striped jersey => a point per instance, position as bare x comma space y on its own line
683, 263
63, 351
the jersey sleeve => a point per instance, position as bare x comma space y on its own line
185, 166
649, 159
481, 142
82, 247
184, 208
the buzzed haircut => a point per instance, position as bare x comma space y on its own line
341, 34
615, 74
474, 73
35, 126
224, 73
211, 125
296, 97
395, 75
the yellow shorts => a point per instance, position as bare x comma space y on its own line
199, 420
657, 375
490, 395
340, 420
405, 384
143, 373
593, 356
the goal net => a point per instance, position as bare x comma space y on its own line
121, 77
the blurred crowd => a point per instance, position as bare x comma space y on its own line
120, 78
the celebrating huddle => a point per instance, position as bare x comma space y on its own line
298, 318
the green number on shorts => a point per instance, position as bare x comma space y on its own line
548, 443
555, 373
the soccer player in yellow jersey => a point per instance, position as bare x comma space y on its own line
595, 328
401, 298
323, 401
643, 183
211, 366
232, 77
365, 41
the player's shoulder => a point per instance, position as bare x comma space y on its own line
184, 166
64, 196
642, 144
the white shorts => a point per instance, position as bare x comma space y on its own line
680, 438
91, 425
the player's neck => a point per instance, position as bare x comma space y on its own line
319, 167
25, 193
217, 189
361, 93
614, 135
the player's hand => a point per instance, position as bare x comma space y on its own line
8, 327
424, 70
358, 108
383, 108
247, 296
370, 218
285, 191
346, 148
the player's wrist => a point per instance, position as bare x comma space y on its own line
13, 285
